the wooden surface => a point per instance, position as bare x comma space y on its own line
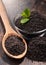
15, 7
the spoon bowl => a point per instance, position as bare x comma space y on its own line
5, 50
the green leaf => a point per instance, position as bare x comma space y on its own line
26, 13
24, 20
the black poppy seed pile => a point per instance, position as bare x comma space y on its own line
14, 45
37, 49
36, 23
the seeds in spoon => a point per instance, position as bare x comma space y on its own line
14, 45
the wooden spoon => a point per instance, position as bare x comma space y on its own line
9, 32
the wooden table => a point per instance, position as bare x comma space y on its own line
15, 7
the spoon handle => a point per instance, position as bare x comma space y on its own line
4, 16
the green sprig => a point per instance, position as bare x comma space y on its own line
25, 14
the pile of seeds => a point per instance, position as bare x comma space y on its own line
37, 49
14, 45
